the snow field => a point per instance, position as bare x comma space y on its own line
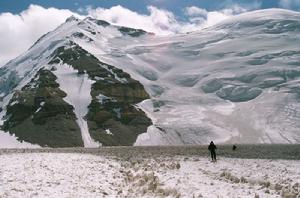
174, 68
86, 175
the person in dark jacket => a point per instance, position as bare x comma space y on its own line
234, 147
212, 148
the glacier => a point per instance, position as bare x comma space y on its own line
252, 57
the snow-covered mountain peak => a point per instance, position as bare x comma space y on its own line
237, 81
262, 15
97, 21
72, 18
271, 13
275, 20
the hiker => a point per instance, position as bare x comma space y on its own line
212, 148
234, 147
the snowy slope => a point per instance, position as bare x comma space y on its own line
234, 82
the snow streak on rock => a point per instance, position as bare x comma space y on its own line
78, 88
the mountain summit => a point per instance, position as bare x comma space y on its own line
90, 83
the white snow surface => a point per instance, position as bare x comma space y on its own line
77, 88
86, 175
173, 70
10, 141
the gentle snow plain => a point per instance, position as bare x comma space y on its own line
88, 175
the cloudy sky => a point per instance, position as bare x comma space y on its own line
22, 22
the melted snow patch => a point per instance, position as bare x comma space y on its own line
102, 99
41, 105
122, 80
14, 102
108, 132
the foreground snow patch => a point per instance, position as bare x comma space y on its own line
86, 175
10, 141
58, 175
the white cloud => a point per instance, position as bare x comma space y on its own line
19, 31
290, 4
195, 11
204, 18
164, 22
248, 5
158, 21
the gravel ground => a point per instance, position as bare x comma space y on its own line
260, 151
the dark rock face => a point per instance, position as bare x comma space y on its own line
39, 115
112, 118
117, 113
131, 31
101, 23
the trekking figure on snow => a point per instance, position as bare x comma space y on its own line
212, 148
234, 147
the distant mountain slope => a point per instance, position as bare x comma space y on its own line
59, 95
235, 82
